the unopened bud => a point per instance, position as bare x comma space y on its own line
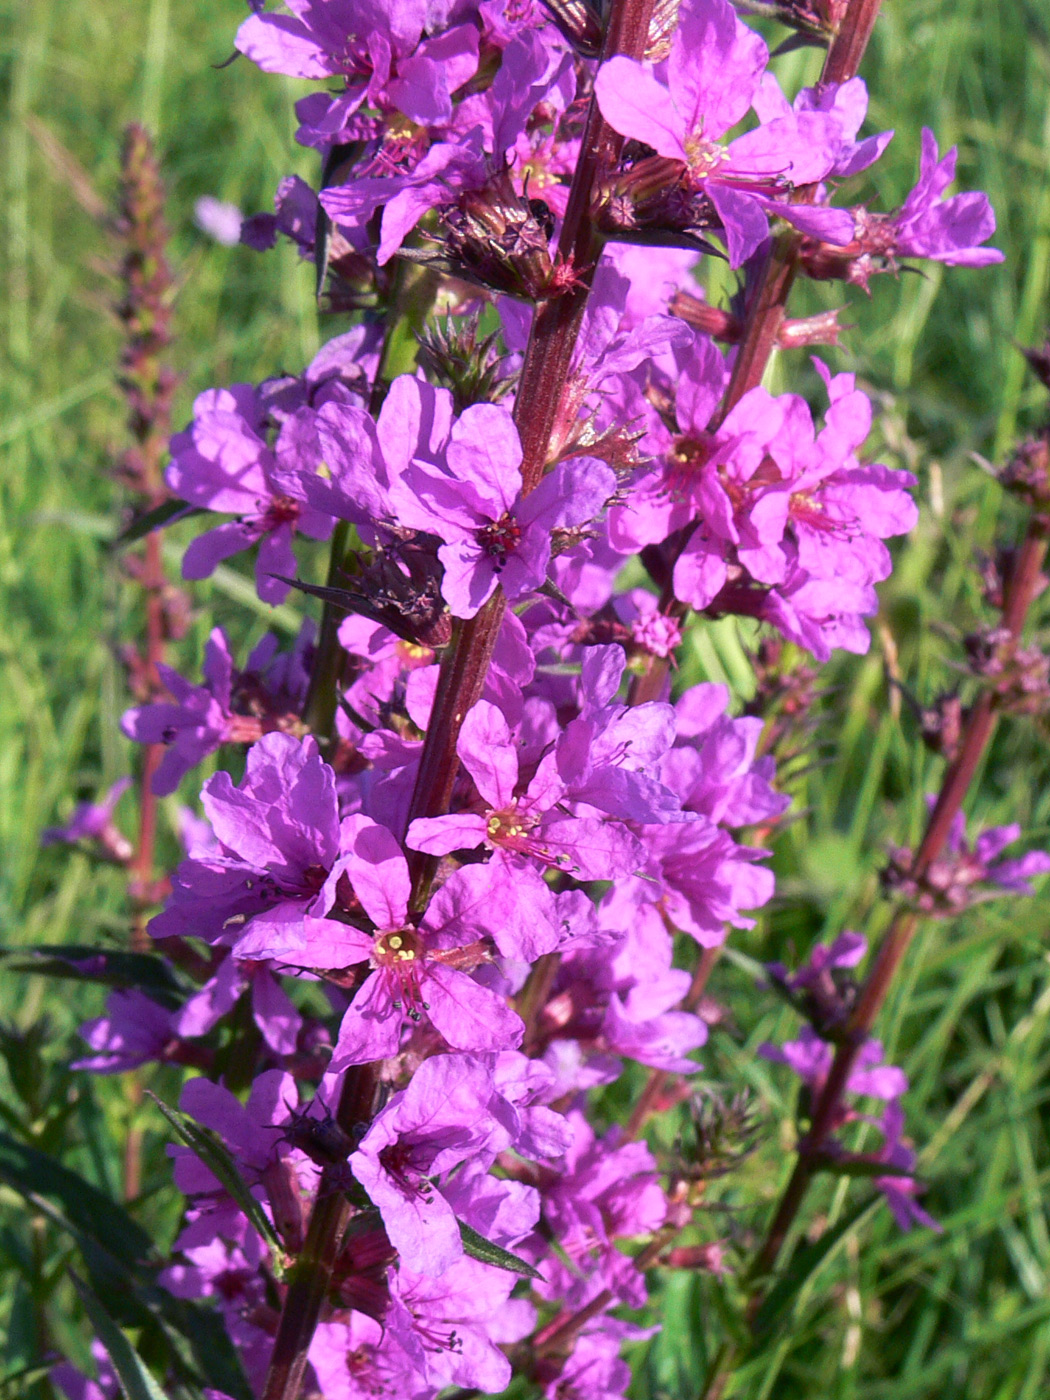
1027, 474
822, 329
580, 22
711, 1258
712, 320
499, 240
652, 202
471, 369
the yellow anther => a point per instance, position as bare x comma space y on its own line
395, 941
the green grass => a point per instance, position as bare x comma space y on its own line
904, 1316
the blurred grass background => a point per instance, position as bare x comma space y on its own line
966, 1312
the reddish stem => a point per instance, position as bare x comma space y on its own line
148, 386
312, 1276
557, 1337
980, 726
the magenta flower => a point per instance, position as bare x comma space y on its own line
946, 230
967, 873
714, 74
278, 835
491, 534
900, 1191
364, 455
273, 1013
713, 766
366, 44
706, 880
607, 1190
406, 176
133, 1030
356, 1358
452, 1324
93, 821
223, 463
198, 721
449, 1113
414, 972
810, 1058
534, 824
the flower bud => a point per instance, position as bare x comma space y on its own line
497, 239
1027, 474
652, 202
822, 329
580, 22
814, 21
940, 725
702, 316
471, 369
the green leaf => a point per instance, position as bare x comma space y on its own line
18, 1383
121, 1263
88, 1209
334, 169
476, 1246
135, 1380
803, 1266
225, 1170
146, 972
154, 519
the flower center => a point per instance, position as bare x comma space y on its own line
687, 460
510, 829
704, 156
401, 955
396, 1161
282, 510
399, 950
499, 539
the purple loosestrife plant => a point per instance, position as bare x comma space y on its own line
456, 892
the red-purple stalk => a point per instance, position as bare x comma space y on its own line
539, 395
148, 385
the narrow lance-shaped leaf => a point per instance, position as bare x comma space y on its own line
32, 1173
192, 1333
164, 514
82, 963
476, 1246
222, 1166
136, 1382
